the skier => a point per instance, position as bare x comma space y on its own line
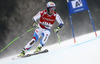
47, 18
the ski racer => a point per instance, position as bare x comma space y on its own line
47, 18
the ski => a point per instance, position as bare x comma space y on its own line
28, 55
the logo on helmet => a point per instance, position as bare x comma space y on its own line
51, 3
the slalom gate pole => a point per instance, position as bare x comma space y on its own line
71, 21
72, 28
92, 23
16, 39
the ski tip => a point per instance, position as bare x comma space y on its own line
46, 50
20, 56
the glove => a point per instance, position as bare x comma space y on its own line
56, 30
35, 25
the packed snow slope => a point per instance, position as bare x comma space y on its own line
85, 51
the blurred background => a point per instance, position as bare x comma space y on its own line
16, 19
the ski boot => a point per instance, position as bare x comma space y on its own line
22, 53
38, 49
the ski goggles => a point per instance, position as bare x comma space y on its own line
52, 8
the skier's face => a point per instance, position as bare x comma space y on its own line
52, 10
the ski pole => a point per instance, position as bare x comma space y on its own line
58, 38
16, 39
9, 44
57, 35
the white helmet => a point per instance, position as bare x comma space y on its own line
50, 4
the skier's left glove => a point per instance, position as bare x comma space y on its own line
35, 25
56, 30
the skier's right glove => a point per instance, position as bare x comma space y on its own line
35, 25
56, 30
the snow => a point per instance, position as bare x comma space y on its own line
85, 51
